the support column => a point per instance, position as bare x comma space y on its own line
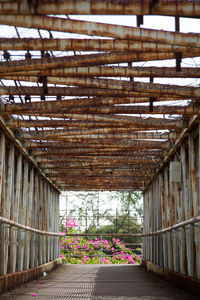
2, 201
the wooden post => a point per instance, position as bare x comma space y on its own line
8, 202
197, 228
15, 212
28, 221
171, 213
22, 217
186, 202
44, 210
192, 201
41, 237
2, 200
47, 222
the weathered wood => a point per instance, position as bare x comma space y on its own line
2, 200
15, 212
8, 204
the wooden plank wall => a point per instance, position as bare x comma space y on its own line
27, 198
167, 203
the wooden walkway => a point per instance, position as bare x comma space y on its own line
98, 282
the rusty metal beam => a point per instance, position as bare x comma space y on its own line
116, 133
86, 7
88, 45
63, 105
110, 71
131, 109
84, 60
122, 85
73, 91
100, 29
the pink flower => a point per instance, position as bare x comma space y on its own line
34, 295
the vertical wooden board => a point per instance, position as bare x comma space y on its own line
172, 203
163, 218
35, 218
2, 200
168, 219
192, 199
15, 212
197, 226
28, 220
54, 223
47, 223
41, 238
51, 222
144, 226
22, 215
180, 232
8, 204
151, 222
44, 222
185, 196
160, 217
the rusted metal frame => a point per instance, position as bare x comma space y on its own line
84, 60
86, 7
77, 102
97, 144
19, 146
93, 159
8, 203
39, 44
104, 152
2, 200
120, 133
81, 91
104, 109
114, 84
110, 71
100, 29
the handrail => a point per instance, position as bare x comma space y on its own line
173, 227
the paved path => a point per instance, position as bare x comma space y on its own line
98, 282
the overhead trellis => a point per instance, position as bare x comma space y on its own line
81, 96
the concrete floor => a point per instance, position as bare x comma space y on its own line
98, 282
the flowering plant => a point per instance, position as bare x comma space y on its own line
76, 250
